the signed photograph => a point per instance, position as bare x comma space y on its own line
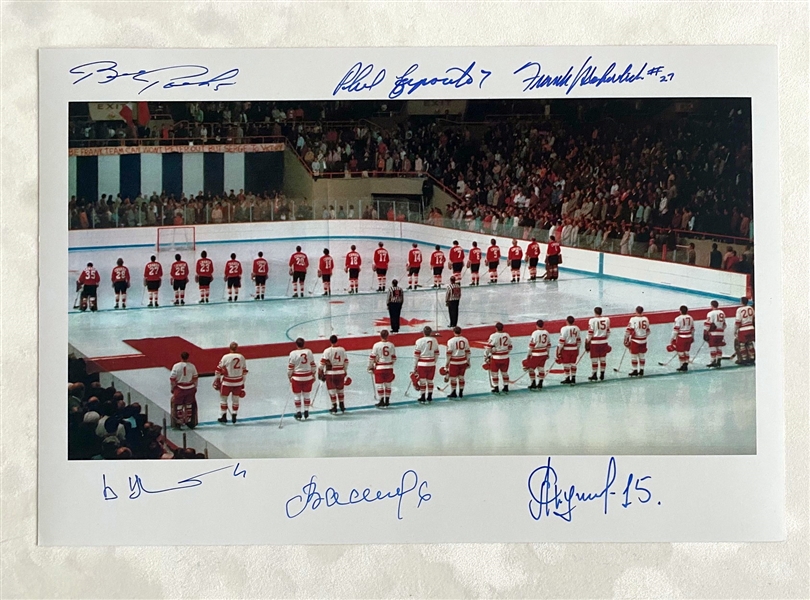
395, 278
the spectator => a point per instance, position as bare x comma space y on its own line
715, 258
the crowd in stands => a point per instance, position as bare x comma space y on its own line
164, 209
691, 174
102, 426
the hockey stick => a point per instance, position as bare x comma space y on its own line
314, 285
518, 379
703, 343
315, 396
671, 358
728, 357
76, 299
621, 360
289, 283
281, 419
143, 297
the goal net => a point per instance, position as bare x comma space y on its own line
176, 238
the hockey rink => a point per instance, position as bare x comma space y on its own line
700, 412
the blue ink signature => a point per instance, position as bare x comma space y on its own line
137, 487
183, 75
549, 499
353, 80
312, 498
587, 75
457, 77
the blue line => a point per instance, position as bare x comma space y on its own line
601, 263
522, 390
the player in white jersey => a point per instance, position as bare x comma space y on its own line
714, 333
301, 373
635, 338
496, 358
183, 382
425, 355
568, 350
535, 362
683, 334
596, 343
332, 370
381, 366
457, 362
230, 381
744, 334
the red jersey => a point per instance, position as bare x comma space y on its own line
475, 256
533, 251
325, 265
233, 268
515, 253
179, 270
456, 254
153, 271
493, 254
299, 262
90, 276
415, 258
205, 267
381, 258
553, 248
120, 274
353, 260
437, 259
260, 267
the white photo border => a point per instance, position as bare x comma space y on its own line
702, 498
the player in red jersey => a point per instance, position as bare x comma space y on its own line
553, 259
179, 279
353, 263
533, 256
299, 263
233, 278
88, 283
437, 260
381, 266
325, 267
152, 275
204, 276
259, 275
120, 281
493, 256
515, 259
414, 264
456, 260
474, 264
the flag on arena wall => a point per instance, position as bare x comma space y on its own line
143, 113
176, 173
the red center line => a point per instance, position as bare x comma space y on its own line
165, 351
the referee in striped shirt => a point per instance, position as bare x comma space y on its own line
395, 298
451, 300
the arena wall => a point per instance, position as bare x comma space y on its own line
725, 285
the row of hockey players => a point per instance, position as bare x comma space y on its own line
332, 367
90, 279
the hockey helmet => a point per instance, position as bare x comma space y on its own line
671, 348
347, 381
241, 393
217, 383
485, 366
442, 371
525, 364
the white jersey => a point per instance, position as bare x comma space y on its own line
638, 328
184, 376
499, 345
744, 320
599, 330
232, 368
426, 351
539, 343
717, 318
684, 327
301, 365
569, 337
458, 350
334, 360
383, 355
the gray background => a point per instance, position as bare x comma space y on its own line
500, 570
